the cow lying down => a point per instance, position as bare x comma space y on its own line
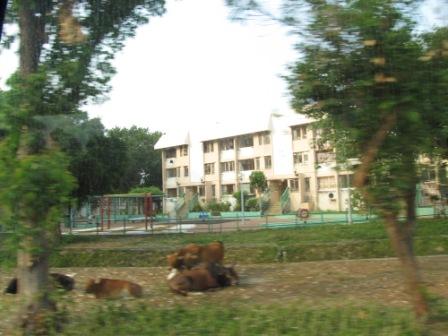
63, 281
202, 277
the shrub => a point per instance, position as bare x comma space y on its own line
197, 208
215, 207
143, 190
252, 204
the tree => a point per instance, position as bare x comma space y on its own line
64, 63
144, 165
361, 75
258, 181
97, 161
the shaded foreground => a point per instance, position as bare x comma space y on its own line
351, 297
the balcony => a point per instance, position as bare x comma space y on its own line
171, 182
246, 152
228, 176
228, 155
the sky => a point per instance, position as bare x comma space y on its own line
194, 67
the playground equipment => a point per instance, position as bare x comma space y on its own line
116, 211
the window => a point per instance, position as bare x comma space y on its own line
326, 157
247, 164
213, 187
264, 138
294, 184
209, 168
208, 147
343, 180
171, 172
267, 162
328, 182
307, 184
299, 132
227, 144
228, 166
185, 171
170, 153
257, 163
171, 192
246, 141
227, 189
184, 150
201, 190
300, 157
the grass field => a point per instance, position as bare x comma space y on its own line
278, 296
326, 242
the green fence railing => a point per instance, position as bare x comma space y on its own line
285, 201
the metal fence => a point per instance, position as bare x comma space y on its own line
206, 223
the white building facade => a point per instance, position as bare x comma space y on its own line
215, 164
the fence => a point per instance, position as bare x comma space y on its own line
204, 222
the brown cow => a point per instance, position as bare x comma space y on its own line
113, 288
193, 254
202, 277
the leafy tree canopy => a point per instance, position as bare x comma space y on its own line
143, 166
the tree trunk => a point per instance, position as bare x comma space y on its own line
32, 274
32, 259
400, 243
371, 150
411, 217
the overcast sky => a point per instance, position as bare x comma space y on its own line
193, 66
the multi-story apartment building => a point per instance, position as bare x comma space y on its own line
217, 164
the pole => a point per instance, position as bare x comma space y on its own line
145, 207
349, 203
242, 208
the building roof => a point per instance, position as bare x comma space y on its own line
227, 129
172, 139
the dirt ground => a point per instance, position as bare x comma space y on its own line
325, 283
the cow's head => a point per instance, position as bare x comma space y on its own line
175, 261
90, 285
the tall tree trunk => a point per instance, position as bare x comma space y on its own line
400, 243
411, 217
32, 259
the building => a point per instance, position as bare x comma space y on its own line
216, 163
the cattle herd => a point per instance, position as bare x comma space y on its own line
192, 268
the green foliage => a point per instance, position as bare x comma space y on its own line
258, 180
252, 204
197, 208
38, 187
237, 196
143, 166
237, 318
355, 78
216, 207
97, 161
324, 242
358, 202
143, 190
